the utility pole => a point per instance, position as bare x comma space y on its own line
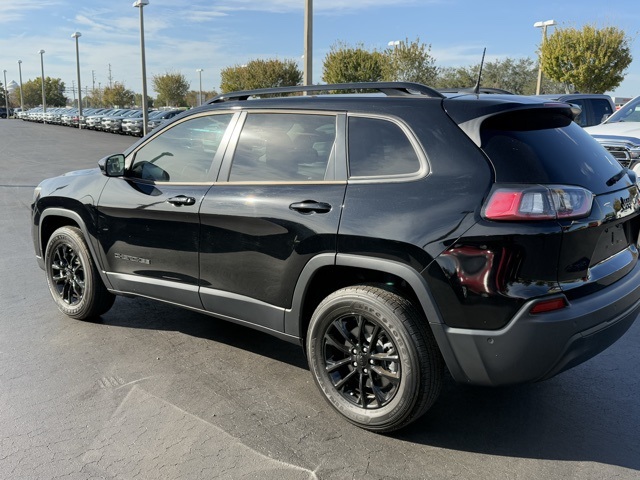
110, 77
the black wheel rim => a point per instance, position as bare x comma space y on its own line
67, 274
361, 361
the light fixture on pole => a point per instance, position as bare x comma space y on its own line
6, 94
543, 25
200, 70
21, 98
145, 114
44, 98
77, 35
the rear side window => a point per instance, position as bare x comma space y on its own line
601, 110
548, 148
379, 147
284, 147
581, 119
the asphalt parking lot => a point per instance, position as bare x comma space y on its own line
154, 392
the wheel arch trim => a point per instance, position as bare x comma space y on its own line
411, 276
293, 317
77, 218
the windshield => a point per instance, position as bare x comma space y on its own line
629, 112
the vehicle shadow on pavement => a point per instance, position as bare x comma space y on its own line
558, 419
140, 313
553, 420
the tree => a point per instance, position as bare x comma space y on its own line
409, 62
94, 99
518, 76
118, 96
193, 97
137, 99
260, 74
54, 92
345, 64
457, 77
591, 60
172, 88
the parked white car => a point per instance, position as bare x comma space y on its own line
620, 134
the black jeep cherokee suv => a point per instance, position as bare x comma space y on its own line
391, 233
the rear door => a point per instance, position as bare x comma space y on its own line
276, 205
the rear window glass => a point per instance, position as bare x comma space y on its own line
544, 147
379, 148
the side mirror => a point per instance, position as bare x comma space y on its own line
112, 166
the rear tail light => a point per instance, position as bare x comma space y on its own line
537, 202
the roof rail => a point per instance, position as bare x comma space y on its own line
391, 89
473, 90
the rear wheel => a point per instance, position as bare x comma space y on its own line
74, 281
374, 357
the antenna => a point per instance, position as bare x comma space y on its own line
476, 89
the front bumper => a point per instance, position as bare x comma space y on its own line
135, 129
531, 348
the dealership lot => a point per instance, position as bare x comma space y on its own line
152, 391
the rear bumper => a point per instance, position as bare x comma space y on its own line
531, 348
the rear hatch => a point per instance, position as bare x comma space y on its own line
538, 145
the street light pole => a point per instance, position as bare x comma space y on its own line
6, 95
21, 98
200, 70
44, 97
145, 114
308, 43
544, 25
77, 35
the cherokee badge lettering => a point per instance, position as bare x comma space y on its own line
131, 258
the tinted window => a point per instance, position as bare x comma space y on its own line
379, 148
581, 119
601, 110
283, 147
183, 153
545, 147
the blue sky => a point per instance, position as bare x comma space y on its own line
216, 34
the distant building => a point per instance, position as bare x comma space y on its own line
619, 101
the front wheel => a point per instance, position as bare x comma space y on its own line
74, 281
373, 356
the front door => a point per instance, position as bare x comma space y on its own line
149, 219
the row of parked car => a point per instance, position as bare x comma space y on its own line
115, 120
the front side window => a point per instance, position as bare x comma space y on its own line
284, 147
183, 153
379, 147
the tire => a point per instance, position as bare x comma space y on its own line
374, 357
74, 281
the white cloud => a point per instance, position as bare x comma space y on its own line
13, 11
